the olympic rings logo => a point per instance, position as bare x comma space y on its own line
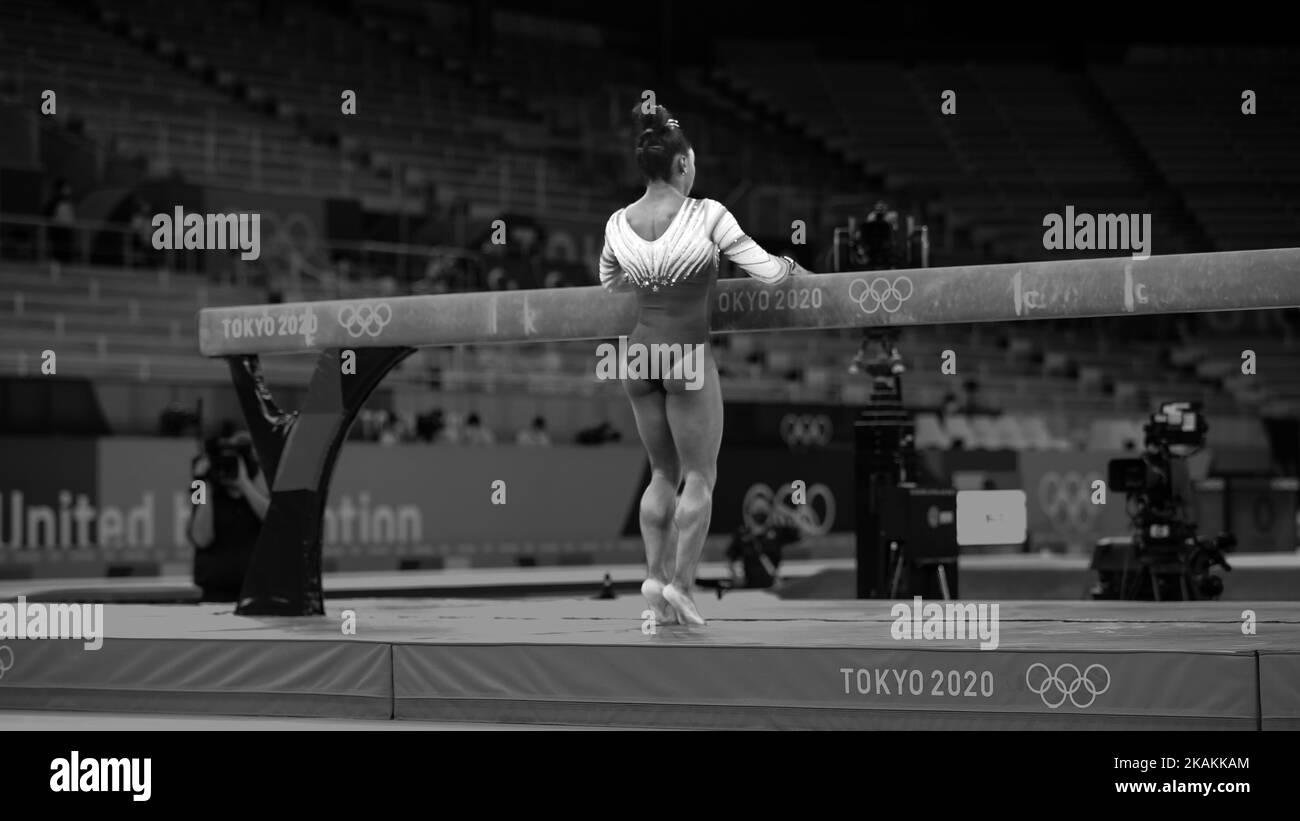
881, 294
1066, 682
1066, 499
762, 507
806, 429
365, 319
6, 660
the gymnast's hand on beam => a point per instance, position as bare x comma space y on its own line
796, 270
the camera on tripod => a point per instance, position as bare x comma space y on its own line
882, 240
1164, 558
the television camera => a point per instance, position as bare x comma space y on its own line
1164, 558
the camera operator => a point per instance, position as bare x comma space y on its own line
224, 531
757, 549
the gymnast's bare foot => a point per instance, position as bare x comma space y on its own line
654, 594
683, 604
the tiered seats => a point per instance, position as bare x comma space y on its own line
1239, 173
420, 124
1036, 142
139, 105
1273, 390
1024, 143
593, 121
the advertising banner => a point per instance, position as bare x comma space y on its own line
802, 426
79, 506
50, 507
1060, 489
418, 493
1262, 514
757, 484
73, 506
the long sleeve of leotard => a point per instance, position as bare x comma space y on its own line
612, 276
736, 246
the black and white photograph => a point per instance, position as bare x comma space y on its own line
922, 370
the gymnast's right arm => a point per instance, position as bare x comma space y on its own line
612, 276
737, 246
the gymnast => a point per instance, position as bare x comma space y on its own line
665, 248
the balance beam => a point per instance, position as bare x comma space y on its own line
1073, 289
298, 449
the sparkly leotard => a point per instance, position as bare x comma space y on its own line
673, 275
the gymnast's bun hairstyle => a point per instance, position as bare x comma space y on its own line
659, 140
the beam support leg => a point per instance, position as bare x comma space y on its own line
298, 450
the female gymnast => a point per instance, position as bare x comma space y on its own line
665, 247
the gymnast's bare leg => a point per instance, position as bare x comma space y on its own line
695, 421
659, 502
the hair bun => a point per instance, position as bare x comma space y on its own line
659, 139
652, 120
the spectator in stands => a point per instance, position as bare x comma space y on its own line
438, 273
453, 431
433, 229
476, 433
971, 403
535, 434
225, 528
343, 272
393, 429
950, 406
142, 251
428, 426
62, 212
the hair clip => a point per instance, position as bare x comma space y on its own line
672, 123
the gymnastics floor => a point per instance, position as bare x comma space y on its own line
761, 662
993, 577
